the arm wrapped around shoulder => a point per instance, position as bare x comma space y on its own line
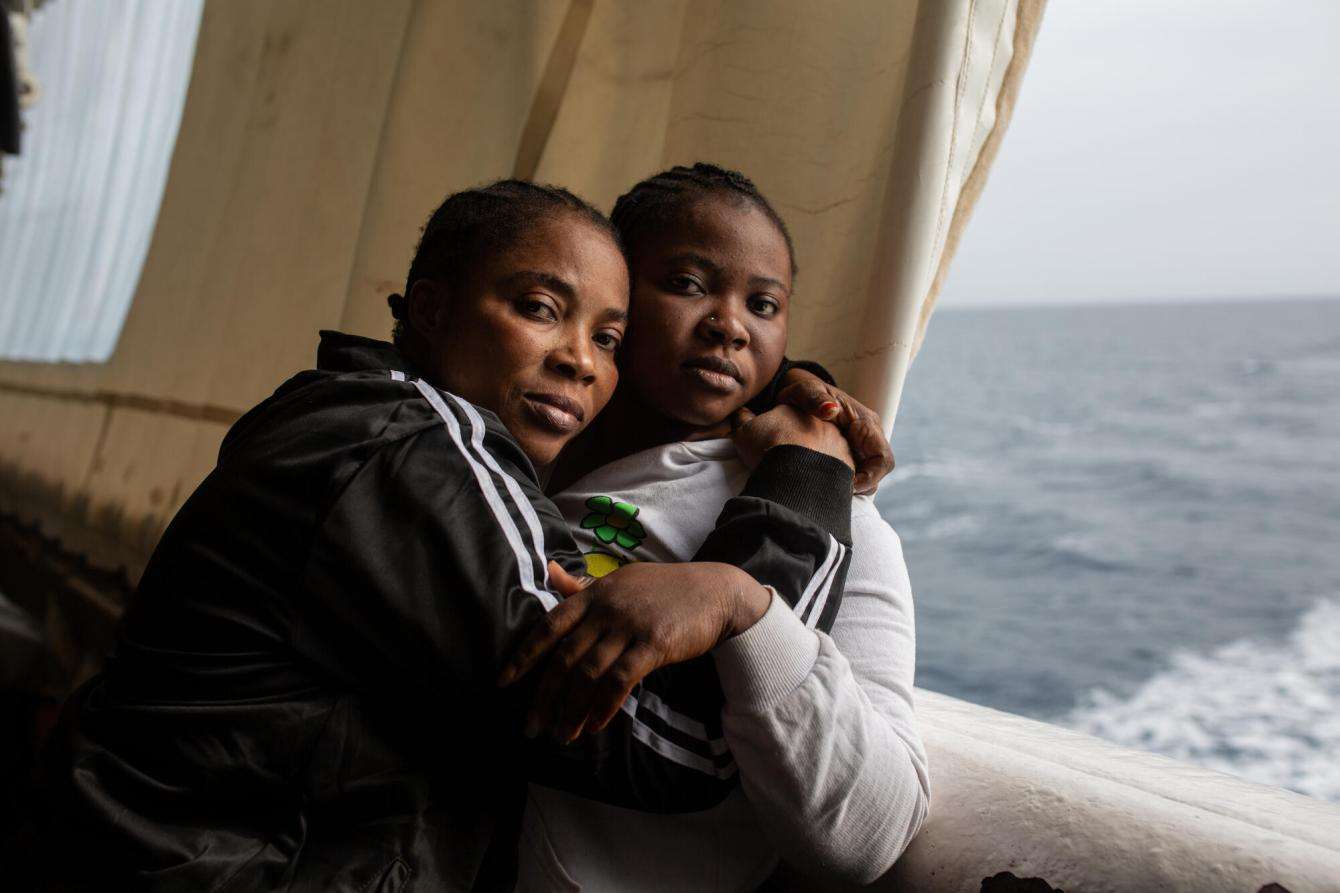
823, 728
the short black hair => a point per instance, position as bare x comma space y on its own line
472, 224
658, 199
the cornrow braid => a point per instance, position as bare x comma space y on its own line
474, 223
657, 199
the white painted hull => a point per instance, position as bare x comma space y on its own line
1010, 794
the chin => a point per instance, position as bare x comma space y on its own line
540, 458
704, 415
541, 447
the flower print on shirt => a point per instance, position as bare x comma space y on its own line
614, 522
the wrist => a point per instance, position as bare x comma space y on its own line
749, 601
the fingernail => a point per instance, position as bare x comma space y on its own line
532, 727
504, 677
828, 409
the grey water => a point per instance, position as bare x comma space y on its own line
1127, 519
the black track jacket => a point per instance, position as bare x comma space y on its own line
302, 696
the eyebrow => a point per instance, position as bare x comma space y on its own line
548, 280
754, 281
690, 257
564, 289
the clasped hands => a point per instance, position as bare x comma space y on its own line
608, 634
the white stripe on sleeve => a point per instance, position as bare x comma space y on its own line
522, 503
813, 620
824, 573
676, 754
524, 559
676, 720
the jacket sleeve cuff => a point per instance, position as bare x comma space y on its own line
809, 483
768, 661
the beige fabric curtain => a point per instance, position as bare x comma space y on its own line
318, 134
862, 121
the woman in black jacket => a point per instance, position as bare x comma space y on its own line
304, 691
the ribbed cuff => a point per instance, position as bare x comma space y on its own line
767, 661
808, 483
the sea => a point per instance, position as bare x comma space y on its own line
1126, 520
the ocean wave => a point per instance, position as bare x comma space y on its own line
949, 469
1217, 409
1268, 712
1046, 428
1254, 366
1086, 551
919, 530
1318, 364
955, 525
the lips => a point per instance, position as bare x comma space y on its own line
556, 412
715, 373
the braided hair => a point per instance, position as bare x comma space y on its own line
474, 223
658, 199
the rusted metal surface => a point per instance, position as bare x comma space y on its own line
73, 604
222, 415
1006, 882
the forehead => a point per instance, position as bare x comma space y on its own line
573, 249
730, 230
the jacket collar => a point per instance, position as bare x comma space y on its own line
339, 352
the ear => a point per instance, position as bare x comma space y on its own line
427, 307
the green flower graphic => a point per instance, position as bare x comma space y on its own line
614, 522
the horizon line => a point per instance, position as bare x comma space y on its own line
943, 305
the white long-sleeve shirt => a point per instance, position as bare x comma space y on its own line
832, 770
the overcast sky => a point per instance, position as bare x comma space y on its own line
1166, 149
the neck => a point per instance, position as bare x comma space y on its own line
411, 349
626, 426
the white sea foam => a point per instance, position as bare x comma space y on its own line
1269, 712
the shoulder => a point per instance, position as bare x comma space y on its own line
425, 427
340, 407
344, 421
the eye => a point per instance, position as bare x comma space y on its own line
608, 339
764, 306
537, 307
685, 284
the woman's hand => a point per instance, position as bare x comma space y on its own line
605, 637
862, 426
785, 425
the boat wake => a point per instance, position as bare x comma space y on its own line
1268, 712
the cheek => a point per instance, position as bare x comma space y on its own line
604, 389
649, 342
663, 320
500, 368
770, 345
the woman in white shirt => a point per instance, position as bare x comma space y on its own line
817, 715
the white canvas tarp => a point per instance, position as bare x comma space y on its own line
317, 136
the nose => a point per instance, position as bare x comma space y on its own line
721, 324
574, 359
